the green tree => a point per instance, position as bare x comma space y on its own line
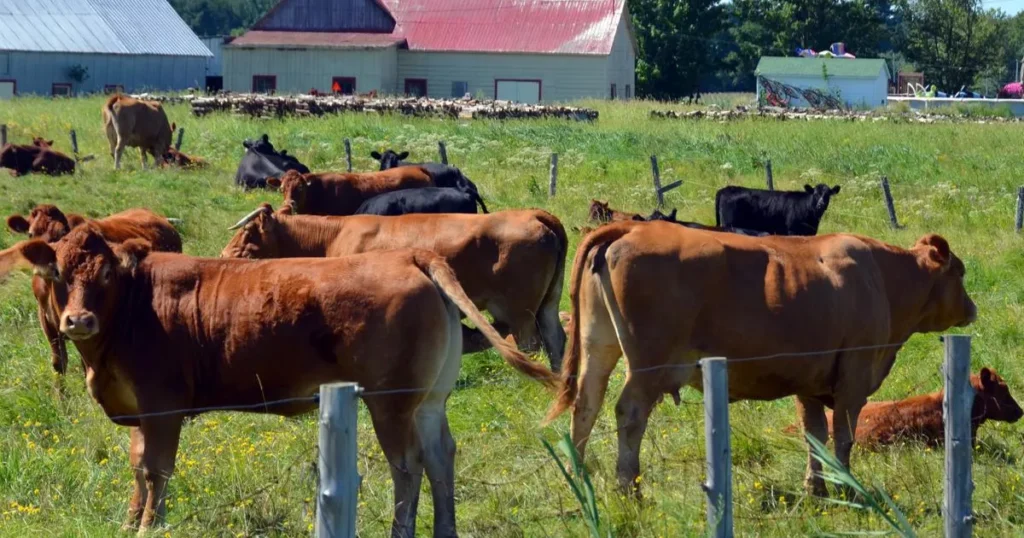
677, 45
221, 17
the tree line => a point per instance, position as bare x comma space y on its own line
692, 46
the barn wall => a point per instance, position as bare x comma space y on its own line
299, 70
855, 92
563, 77
622, 62
36, 72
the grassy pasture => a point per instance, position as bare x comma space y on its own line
63, 465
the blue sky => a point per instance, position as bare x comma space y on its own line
1010, 6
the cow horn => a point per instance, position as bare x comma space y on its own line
246, 219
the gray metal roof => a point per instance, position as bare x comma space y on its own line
97, 26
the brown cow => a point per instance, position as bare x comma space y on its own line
39, 157
919, 418
50, 224
511, 263
139, 124
601, 212
827, 314
174, 157
163, 335
342, 194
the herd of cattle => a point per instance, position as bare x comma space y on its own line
366, 277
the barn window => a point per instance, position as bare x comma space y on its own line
343, 85
416, 87
614, 93
629, 92
113, 88
264, 83
459, 88
61, 89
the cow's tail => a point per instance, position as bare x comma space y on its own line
109, 107
444, 278
600, 237
718, 209
473, 191
553, 295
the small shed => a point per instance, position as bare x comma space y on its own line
64, 47
809, 82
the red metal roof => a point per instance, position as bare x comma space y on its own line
524, 26
334, 40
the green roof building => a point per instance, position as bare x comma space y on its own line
822, 82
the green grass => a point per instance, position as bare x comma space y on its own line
63, 465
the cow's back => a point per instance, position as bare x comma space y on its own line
342, 194
141, 224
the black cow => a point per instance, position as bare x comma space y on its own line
774, 212
671, 217
425, 200
442, 175
261, 161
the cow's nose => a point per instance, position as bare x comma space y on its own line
79, 326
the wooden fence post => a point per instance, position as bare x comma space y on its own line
442, 151
716, 442
889, 204
657, 181
956, 411
74, 141
181, 136
768, 175
348, 154
1020, 209
3, 134
338, 493
553, 184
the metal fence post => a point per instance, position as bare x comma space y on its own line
338, 493
553, 184
348, 154
956, 412
3, 134
1020, 209
768, 175
716, 442
181, 136
657, 181
889, 204
442, 151
74, 141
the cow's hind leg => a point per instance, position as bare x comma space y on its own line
118, 152
631, 415
599, 354
812, 414
394, 423
138, 502
159, 447
844, 429
552, 337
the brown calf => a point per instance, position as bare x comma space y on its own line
602, 213
39, 157
831, 311
342, 194
919, 418
511, 263
49, 224
164, 335
139, 124
174, 157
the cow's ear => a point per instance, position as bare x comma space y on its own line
274, 183
265, 138
808, 188
672, 215
835, 190
403, 155
247, 144
17, 224
131, 253
938, 250
49, 143
34, 252
375, 155
988, 380
75, 220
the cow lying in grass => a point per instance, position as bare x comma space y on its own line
511, 263
773, 212
38, 157
443, 175
671, 217
423, 200
342, 194
919, 418
262, 161
48, 223
174, 157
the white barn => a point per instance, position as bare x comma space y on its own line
859, 82
529, 50
65, 47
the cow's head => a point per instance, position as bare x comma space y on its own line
42, 143
820, 195
84, 273
294, 186
992, 398
10, 156
389, 159
256, 237
44, 222
947, 304
599, 211
260, 145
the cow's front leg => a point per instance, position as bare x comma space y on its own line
160, 446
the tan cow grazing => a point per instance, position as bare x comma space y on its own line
665, 295
511, 263
161, 332
50, 224
919, 418
342, 194
139, 124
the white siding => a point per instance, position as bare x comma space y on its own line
36, 72
854, 92
622, 61
299, 70
563, 77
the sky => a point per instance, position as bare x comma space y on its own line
1010, 6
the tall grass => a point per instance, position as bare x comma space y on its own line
64, 467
